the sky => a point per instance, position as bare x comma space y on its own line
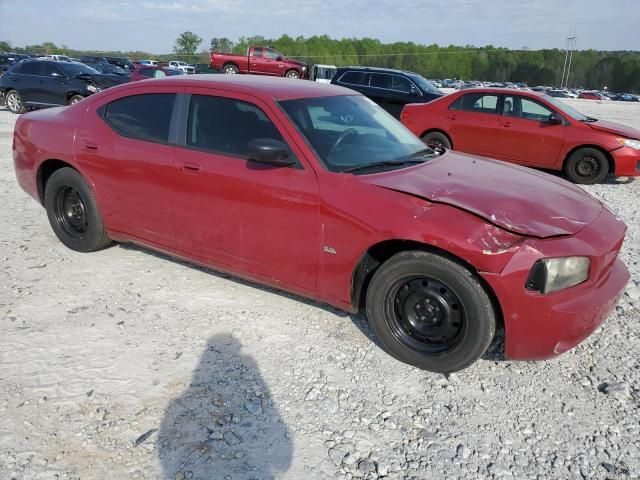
153, 25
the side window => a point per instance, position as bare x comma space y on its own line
31, 68
380, 80
352, 78
480, 103
147, 72
457, 105
511, 106
143, 117
532, 110
226, 125
272, 54
48, 69
257, 52
400, 84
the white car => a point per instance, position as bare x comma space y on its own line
190, 69
153, 63
58, 58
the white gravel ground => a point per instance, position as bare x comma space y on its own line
231, 380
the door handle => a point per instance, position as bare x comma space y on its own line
192, 167
506, 124
451, 117
91, 147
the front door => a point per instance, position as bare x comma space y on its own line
526, 137
254, 219
52, 87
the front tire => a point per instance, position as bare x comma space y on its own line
75, 99
73, 212
436, 139
587, 166
430, 312
292, 74
14, 102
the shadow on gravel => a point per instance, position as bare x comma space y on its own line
225, 424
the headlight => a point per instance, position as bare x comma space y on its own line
304, 69
627, 142
93, 88
553, 274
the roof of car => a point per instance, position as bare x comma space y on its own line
277, 88
505, 91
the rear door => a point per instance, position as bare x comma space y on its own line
27, 80
379, 90
474, 123
254, 219
125, 145
257, 63
526, 137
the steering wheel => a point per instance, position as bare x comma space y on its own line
347, 133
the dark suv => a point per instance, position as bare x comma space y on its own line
391, 89
46, 83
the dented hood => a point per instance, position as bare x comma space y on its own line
514, 198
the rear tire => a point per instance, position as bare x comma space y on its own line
73, 212
430, 312
230, 69
14, 102
436, 139
75, 99
586, 166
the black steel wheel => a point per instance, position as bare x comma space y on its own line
430, 311
73, 212
427, 315
587, 166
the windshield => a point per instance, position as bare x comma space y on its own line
566, 109
352, 131
110, 68
73, 69
423, 83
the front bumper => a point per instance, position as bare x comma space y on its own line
626, 162
539, 326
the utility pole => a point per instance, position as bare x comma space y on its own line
570, 46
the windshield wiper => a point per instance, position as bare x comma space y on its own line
589, 120
387, 163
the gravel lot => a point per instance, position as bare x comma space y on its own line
127, 364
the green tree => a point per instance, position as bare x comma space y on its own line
187, 44
222, 44
5, 46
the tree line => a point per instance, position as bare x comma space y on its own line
593, 69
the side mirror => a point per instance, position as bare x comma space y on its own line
270, 152
279, 58
554, 119
55, 74
414, 91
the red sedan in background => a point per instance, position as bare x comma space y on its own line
527, 128
144, 72
591, 96
313, 189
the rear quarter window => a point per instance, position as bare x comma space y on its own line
142, 117
352, 78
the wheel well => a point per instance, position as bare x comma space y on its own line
439, 131
47, 168
608, 156
71, 94
379, 253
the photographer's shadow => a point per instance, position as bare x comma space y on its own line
225, 424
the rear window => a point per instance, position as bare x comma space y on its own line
352, 78
143, 117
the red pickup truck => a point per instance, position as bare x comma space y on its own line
259, 61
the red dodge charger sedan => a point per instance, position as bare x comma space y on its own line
316, 190
527, 128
